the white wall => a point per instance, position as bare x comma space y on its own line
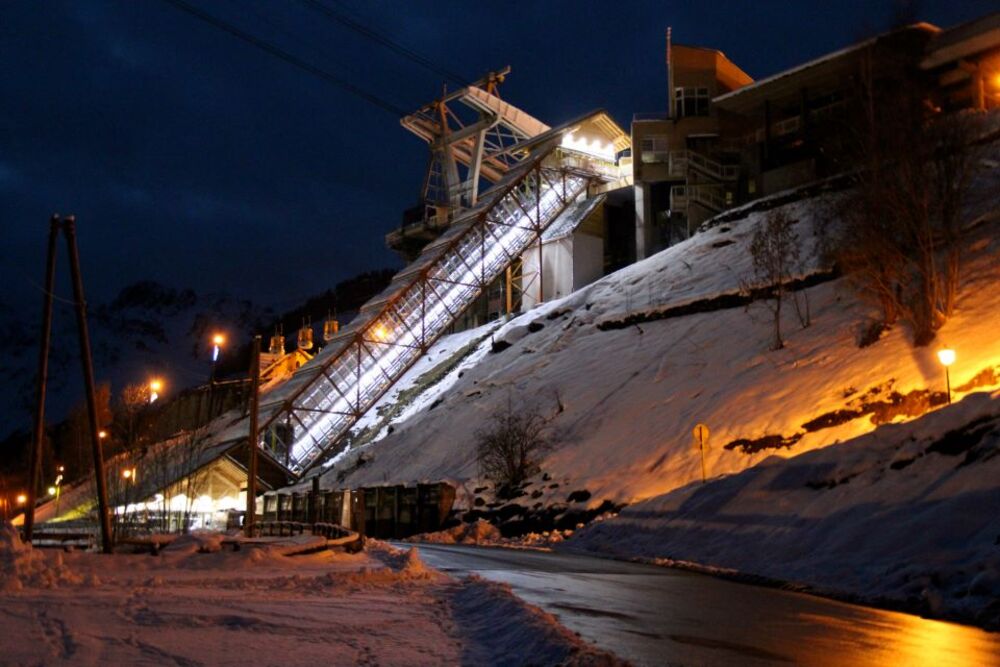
569, 263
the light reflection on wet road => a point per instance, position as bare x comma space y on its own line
658, 616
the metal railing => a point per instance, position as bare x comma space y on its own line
681, 196
681, 162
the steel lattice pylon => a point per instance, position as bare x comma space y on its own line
307, 417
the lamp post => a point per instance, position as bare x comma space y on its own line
59, 478
947, 357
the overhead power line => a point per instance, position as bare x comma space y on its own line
384, 40
281, 54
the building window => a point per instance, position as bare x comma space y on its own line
691, 102
654, 149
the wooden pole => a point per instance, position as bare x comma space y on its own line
69, 229
249, 520
38, 432
701, 441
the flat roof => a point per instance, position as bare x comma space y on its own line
787, 82
964, 40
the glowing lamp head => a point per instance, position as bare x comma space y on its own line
126, 474
102, 434
380, 333
946, 356
52, 490
218, 340
155, 387
21, 498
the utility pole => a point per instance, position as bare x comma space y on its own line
68, 227
38, 432
248, 520
69, 230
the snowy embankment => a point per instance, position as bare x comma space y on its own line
188, 607
906, 516
624, 368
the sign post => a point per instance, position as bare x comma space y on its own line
701, 437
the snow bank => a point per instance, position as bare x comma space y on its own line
504, 630
905, 516
22, 566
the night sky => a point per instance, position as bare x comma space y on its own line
194, 159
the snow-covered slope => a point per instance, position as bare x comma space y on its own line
906, 514
626, 367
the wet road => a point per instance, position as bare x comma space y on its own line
658, 616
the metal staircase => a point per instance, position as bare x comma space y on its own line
304, 421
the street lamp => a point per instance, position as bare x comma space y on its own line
155, 387
947, 357
57, 489
22, 498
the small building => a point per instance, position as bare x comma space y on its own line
684, 164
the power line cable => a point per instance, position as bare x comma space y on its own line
281, 54
384, 40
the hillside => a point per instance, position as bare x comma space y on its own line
626, 367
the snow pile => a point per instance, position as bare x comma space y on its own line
198, 541
478, 532
546, 539
22, 566
905, 516
484, 533
507, 631
398, 565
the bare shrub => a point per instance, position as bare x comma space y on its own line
509, 447
901, 235
774, 250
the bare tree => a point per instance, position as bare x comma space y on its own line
508, 448
190, 450
132, 401
901, 236
774, 250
